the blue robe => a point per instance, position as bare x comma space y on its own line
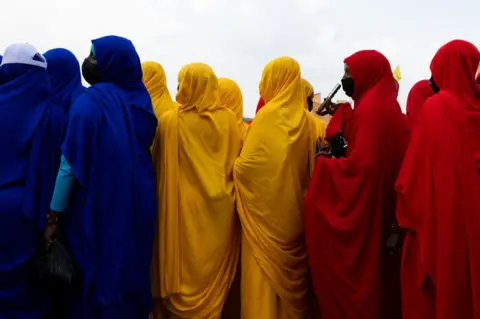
65, 78
31, 131
111, 215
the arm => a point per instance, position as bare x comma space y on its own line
63, 187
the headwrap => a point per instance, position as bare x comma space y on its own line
155, 81
65, 79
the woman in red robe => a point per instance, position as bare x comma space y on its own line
416, 305
350, 203
439, 191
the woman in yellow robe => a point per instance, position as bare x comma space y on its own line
231, 98
197, 233
271, 177
321, 125
155, 81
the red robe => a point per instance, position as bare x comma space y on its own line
439, 191
350, 203
338, 121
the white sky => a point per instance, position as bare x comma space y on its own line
238, 37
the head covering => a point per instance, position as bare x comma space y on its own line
308, 88
464, 87
279, 80
31, 128
110, 130
155, 81
280, 87
417, 96
368, 76
23, 53
351, 200
231, 98
20, 73
438, 189
198, 88
65, 79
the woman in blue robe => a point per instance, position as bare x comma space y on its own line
31, 128
105, 189
65, 78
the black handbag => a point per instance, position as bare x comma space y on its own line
339, 146
394, 243
55, 269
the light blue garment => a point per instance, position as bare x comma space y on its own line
63, 187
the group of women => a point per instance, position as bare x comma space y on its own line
179, 209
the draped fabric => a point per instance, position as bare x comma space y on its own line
109, 223
350, 203
339, 121
417, 96
321, 125
197, 237
65, 79
438, 190
308, 89
31, 128
415, 303
231, 98
271, 175
155, 81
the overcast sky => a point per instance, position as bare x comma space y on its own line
238, 37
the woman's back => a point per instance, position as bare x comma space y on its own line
197, 229
31, 129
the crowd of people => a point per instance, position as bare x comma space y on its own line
176, 208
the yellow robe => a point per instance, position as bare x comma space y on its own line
321, 125
155, 81
231, 98
271, 178
198, 232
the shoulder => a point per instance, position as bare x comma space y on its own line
85, 108
438, 103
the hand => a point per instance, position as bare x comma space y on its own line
324, 153
50, 229
330, 108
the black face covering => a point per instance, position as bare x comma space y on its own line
90, 70
434, 85
310, 103
348, 86
478, 81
